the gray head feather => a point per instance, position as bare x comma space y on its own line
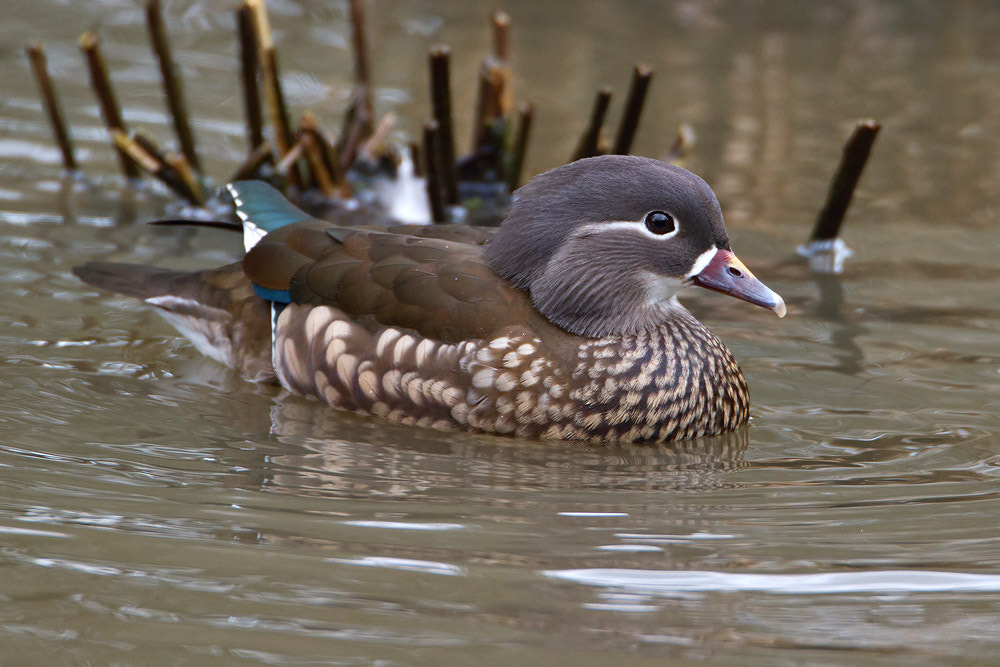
593, 281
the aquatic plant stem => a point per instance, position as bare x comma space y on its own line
633, 109
270, 76
444, 135
110, 110
845, 180
362, 75
172, 87
516, 164
589, 144
39, 67
432, 170
249, 68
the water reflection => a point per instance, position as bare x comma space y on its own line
351, 456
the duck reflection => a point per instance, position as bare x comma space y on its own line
333, 453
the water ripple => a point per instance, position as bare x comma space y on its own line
705, 581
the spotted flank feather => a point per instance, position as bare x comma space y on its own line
510, 384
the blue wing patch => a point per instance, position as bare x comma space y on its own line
275, 295
259, 204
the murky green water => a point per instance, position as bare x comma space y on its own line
156, 509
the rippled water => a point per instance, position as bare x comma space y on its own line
157, 509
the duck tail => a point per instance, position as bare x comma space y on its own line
217, 310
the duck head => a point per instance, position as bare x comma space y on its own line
604, 244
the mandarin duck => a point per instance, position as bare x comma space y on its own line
562, 323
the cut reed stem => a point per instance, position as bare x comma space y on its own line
314, 156
376, 143
683, 144
501, 35
327, 151
432, 170
443, 134
362, 74
845, 180
39, 67
490, 104
249, 68
268, 61
180, 164
172, 86
516, 165
289, 159
590, 140
633, 109
145, 153
252, 165
110, 110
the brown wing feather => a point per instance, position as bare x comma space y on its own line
440, 288
469, 234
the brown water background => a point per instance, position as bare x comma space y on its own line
155, 509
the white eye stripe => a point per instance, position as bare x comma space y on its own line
638, 225
703, 260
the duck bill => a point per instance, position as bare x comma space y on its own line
727, 274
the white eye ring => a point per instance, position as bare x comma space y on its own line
660, 223
638, 225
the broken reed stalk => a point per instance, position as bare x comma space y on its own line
516, 165
353, 133
110, 110
188, 186
852, 163
148, 161
172, 88
327, 151
39, 67
314, 156
501, 52
590, 140
683, 144
443, 135
251, 166
494, 97
288, 160
180, 164
432, 170
633, 109
249, 66
268, 61
145, 153
491, 105
327, 161
415, 157
362, 74
149, 146
375, 143
501, 35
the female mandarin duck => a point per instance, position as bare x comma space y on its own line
563, 323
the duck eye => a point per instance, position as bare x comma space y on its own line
659, 222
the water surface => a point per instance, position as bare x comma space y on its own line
156, 508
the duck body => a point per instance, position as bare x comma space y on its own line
562, 324
530, 380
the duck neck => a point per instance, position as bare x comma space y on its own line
591, 294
